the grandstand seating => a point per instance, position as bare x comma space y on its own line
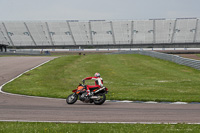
164, 31
197, 38
122, 32
39, 32
3, 38
100, 32
60, 33
80, 32
143, 32
185, 29
18, 33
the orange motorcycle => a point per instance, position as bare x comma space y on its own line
97, 95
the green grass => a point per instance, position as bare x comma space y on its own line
128, 77
22, 127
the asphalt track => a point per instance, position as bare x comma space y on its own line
22, 108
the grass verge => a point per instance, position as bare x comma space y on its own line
23, 127
128, 77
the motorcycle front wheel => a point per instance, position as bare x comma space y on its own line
101, 99
71, 99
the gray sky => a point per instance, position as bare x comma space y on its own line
97, 9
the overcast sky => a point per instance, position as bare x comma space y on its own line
97, 9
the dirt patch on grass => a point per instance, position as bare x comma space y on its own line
191, 56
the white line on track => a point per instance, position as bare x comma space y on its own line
96, 122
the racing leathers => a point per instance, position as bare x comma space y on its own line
98, 83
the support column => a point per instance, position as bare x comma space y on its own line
113, 34
8, 34
132, 27
90, 30
196, 30
154, 31
4, 36
71, 32
50, 36
174, 30
1, 48
30, 33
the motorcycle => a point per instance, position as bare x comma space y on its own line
97, 95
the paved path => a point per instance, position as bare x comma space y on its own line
41, 109
11, 67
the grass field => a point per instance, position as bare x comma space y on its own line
22, 127
128, 77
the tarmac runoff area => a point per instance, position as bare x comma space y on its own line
15, 107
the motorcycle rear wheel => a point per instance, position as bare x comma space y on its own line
101, 100
71, 99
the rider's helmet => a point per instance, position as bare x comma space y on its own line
97, 75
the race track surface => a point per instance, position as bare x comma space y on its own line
22, 108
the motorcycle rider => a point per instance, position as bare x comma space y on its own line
98, 82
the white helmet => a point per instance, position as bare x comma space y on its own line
97, 75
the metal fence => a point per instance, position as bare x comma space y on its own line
173, 58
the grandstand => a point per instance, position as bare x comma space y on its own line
152, 33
